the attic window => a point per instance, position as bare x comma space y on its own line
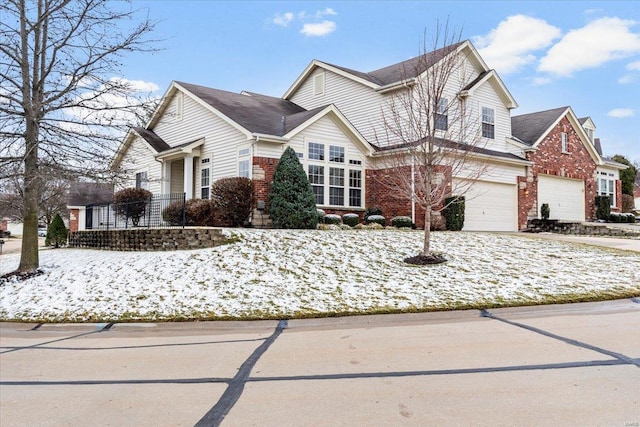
565, 146
318, 84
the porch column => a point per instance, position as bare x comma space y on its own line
188, 176
165, 182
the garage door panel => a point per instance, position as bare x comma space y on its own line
491, 206
565, 197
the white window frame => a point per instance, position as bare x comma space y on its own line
564, 141
442, 115
489, 121
142, 179
607, 187
337, 180
205, 165
244, 163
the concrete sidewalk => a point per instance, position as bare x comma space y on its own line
607, 242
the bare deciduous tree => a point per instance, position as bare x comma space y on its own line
60, 104
430, 133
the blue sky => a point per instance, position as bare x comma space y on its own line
585, 54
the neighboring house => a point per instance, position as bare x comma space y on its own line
568, 169
85, 203
331, 115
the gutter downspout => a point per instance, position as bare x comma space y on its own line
413, 191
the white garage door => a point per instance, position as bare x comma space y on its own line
491, 206
565, 197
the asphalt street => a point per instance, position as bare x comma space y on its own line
576, 364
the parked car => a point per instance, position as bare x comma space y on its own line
42, 232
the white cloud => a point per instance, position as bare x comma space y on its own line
319, 29
627, 79
283, 20
621, 113
634, 66
509, 46
598, 42
327, 12
541, 81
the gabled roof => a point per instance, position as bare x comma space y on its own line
396, 75
255, 113
152, 139
532, 128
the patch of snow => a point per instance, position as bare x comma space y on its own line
289, 272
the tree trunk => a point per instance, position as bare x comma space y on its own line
29, 260
426, 249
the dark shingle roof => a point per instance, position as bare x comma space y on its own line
256, 113
88, 193
154, 140
597, 145
530, 127
402, 70
457, 146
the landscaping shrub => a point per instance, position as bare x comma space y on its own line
132, 203
174, 213
371, 211
454, 213
377, 219
233, 199
628, 218
401, 222
332, 219
350, 219
56, 233
603, 207
292, 202
321, 216
545, 211
615, 217
197, 212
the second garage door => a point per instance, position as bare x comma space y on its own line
565, 197
491, 206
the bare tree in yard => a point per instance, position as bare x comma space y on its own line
61, 108
429, 134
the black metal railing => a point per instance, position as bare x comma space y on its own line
159, 211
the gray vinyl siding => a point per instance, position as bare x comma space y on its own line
139, 158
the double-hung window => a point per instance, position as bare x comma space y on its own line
442, 118
607, 187
205, 177
488, 123
141, 180
335, 179
244, 163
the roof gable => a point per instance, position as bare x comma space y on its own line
534, 127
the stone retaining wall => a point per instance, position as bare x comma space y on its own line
148, 239
555, 226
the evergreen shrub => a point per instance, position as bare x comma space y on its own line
603, 207
454, 213
57, 233
350, 219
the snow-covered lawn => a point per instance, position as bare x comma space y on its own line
278, 273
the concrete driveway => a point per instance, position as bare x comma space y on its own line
573, 364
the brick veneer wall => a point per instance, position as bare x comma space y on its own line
148, 239
73, 220
550, 160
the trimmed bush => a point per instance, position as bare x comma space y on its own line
603, 207
197, 212
371, 211
351, 219
332, 219
377, 219
132, 203
292, 203
454, 213
56, 233
321, 216
174, 214
233, 199
401, 222
545, 211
